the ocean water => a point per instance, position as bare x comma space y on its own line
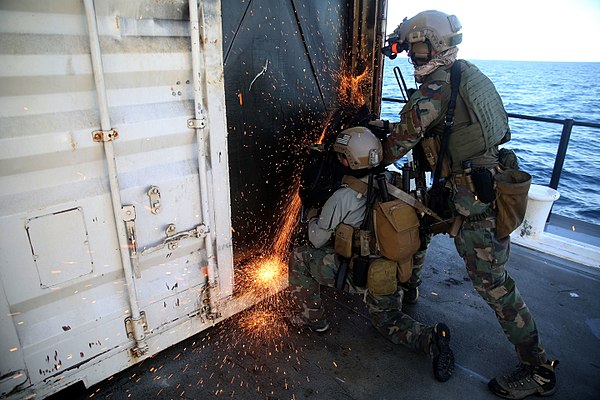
558, 90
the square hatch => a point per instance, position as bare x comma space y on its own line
60, 246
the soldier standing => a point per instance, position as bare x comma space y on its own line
478, 123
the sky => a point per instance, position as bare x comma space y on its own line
519, 30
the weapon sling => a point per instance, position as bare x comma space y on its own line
448, 123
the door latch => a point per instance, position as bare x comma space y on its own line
129, 219
171, 241
154, 194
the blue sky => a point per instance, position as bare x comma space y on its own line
528, 30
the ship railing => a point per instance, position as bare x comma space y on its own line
565, 136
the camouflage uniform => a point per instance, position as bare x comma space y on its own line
418, 262
485, 256
312, 266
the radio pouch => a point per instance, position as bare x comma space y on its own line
512, 187
396, 228
484, 185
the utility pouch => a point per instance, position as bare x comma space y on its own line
381, 280
396, 229
512, 187
431, 149
343, 240
483, 181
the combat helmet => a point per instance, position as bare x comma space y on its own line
360, 146
435, 27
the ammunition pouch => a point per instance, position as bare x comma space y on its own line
431, 150
396, 227
344, 240
512, 188
382, 279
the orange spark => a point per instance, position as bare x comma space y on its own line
268, 272
263, 324
324, 131
352, 88
290, 218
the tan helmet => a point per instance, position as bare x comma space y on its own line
360, 146
440, 29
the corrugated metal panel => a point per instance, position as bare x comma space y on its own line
50, 165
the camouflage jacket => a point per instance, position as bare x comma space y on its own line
480, 120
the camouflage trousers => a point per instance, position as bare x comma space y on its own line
418, 262
485, 257
309, 268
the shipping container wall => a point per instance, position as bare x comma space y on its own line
66, 300
139, 153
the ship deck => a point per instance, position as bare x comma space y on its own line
352, 361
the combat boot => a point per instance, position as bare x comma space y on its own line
443, 357
297, 320
525, 381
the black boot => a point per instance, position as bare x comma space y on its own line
443, 357
525, 381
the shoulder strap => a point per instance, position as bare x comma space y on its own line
449, 121
362, 187
356, 184
366, 189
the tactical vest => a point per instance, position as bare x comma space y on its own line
485, 122
393, 233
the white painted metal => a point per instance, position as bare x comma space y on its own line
198, 123
560, 246
212, 88
67, 281
125, 238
